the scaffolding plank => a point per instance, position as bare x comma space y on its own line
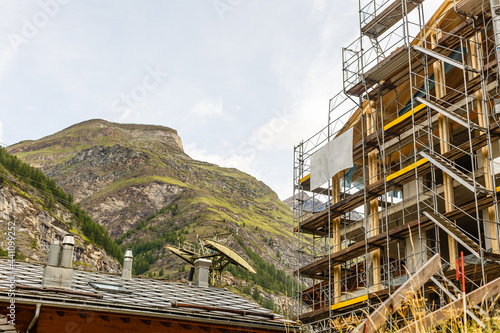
391, 64
393, 303
454, 232
403, 117
314, 315
473, 8
391, 15
449, 114
406, 170
453, 172
456, 308
453, 298
444, 58
388, 66
349, 302
305, 182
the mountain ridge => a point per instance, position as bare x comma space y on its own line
83, 135
129, 177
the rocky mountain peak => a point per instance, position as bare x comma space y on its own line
98, 131
138, 132
51, 150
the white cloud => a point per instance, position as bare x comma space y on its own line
6, 58
275, 134
124, 115
311, 87
205, 109
319, 5
232, 160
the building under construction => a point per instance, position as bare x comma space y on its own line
420, 116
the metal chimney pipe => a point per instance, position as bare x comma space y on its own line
127, 265
59, 270
54, 253
68, 244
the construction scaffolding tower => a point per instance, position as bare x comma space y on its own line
423, 102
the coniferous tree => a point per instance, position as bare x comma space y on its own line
52, 193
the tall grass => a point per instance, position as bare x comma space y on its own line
416, 307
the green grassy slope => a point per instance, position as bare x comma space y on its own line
129, 177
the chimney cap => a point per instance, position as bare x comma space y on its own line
202, 262
69, 239
128, 253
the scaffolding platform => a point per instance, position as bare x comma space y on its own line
388, 18
472, 271
319, 269
393, 70
317, 223
430, 135
346, 306
387, 67
473, 8
305, 182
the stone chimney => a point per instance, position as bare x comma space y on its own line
59, 270
127, 265
201, 272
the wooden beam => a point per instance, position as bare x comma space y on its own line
455, 308
444, 140
337, 270
482, 115
393, 303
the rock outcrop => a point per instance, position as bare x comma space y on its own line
37, 226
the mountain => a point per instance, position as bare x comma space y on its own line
314, 205
137, 181
34, 213
309, 203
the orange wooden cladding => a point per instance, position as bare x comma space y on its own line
72, 320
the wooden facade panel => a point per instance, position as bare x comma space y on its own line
52, 319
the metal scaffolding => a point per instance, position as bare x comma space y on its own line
422, 99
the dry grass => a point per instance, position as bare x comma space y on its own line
413, 309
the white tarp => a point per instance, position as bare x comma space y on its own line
335, 156
496, 165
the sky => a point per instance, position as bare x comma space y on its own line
242, 81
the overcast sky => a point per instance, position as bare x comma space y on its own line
242, 81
